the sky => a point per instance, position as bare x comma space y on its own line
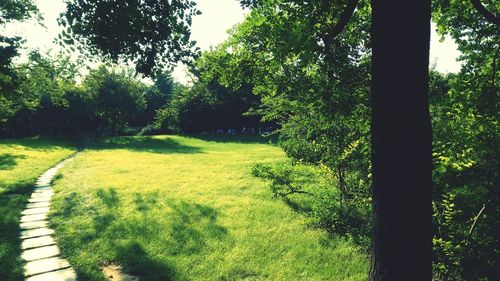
208, 29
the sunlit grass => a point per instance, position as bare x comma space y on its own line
21, 162
187, 208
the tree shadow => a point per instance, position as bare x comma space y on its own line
144, 144
137, 261
109, 197
41, 143
241, 139
8, 161
21, 187
136, 234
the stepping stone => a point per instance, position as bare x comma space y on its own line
32, 224
37, 217
61, 275
34, 211
42, 194
44, 265
36, 232
40, 253
37, 205
37, 242
38, 200
44, 180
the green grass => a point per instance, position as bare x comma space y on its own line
187, 208
21, 162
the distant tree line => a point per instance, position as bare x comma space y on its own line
110, 101
107, 101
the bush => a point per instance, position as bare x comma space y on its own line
324, 203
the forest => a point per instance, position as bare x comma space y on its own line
286, 97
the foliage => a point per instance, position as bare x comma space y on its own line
210, 104
17, 10
116, 97
8, 78
108, 100
11, 10
151, 34
466, 147
282, 179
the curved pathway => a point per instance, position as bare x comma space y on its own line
39, 250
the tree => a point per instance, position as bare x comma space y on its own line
115, 95
151, 34
401, 142
11, 10
465, 151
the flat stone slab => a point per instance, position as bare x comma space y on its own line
43, 181
40, 253
36, 232
39, 200
38, 205
45, 265
35, 211
37, 217
37, 242
67, 274
32, 224
42, 194
44, 189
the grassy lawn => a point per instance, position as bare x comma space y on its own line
187, 208
21, 162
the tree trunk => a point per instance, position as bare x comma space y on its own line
401, 141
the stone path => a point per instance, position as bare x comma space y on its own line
40, 252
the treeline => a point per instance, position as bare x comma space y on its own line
51, 99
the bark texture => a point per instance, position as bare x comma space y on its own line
401, 141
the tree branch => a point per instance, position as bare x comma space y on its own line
485, 13
344, 19
476, 218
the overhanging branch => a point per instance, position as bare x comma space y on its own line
344, 19
485, 13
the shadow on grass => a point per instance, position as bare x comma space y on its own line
144, 144
146, 235
11, 206
41, 143
8, 161
243, 139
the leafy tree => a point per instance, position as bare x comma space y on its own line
43, 83
317, 94
152, 34
11, 10
211, 103
466, 146
115, 95
159, 95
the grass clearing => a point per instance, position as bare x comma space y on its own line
187, 208
21, 162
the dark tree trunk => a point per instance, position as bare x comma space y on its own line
401, 141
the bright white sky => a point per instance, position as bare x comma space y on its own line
208, 29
